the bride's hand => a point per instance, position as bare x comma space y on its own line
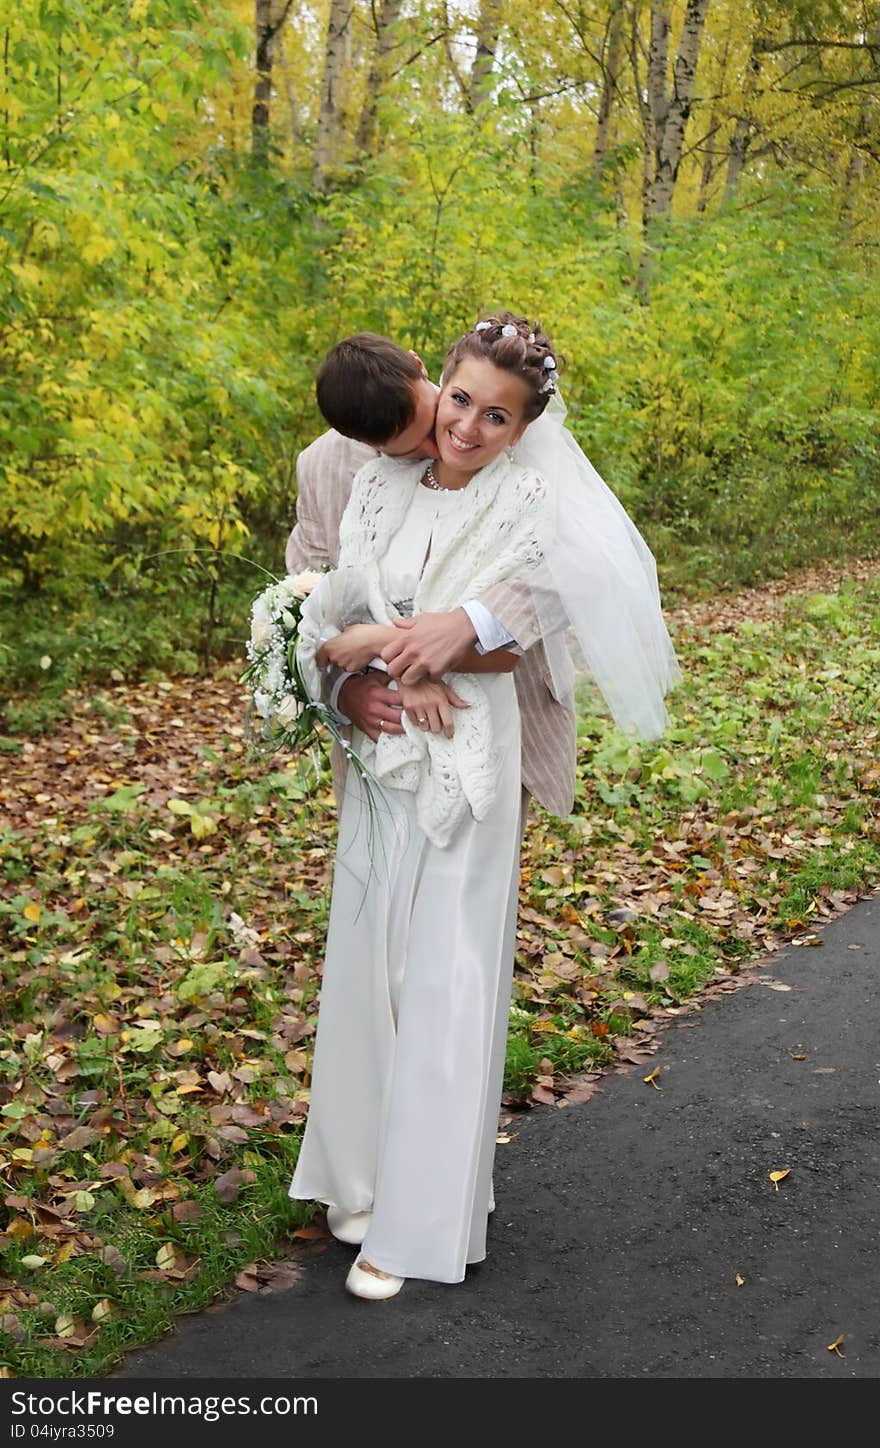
430, 706
355, 647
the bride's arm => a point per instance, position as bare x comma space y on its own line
356, 646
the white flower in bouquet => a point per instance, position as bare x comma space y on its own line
302, 583
262, 703
289, 710
261, 626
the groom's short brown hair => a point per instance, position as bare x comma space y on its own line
366, 387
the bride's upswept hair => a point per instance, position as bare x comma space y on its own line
516, 345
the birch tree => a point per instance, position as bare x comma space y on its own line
330, 142
612, 56
266, 27
385, 27
670, 111
488, 30
745, 126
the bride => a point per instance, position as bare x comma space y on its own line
410, 1048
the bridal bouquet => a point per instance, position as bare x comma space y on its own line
284, 715
289, 716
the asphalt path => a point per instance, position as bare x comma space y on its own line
639, 1235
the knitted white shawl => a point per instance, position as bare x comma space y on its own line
495, 532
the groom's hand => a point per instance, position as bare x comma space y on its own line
371, 705
428, 645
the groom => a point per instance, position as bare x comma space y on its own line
379, 398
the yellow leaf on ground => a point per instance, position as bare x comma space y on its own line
65, 1325
20, 1230
102, 1310
166, 1256
31, 912
139, 1199
651, 1080
779, 1176
740, 1281
836, 1345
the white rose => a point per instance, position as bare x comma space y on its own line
303, 583
261, 627
289, 711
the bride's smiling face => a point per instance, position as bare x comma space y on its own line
481, 410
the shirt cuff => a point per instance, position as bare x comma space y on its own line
490, 633
341, 678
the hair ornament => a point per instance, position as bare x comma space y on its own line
534, 362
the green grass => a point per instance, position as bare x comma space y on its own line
92, 633
136, 1301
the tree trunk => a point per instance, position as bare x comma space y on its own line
855, 169
671, 112
611, 58
329, 144
488, 28
368, 124
658, 62
710, 154
295, 119
7, 153
262, 83
640, 89
744, 129
265, 30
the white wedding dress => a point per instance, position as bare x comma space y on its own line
409, 1055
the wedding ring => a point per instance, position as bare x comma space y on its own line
423, 718
381, 723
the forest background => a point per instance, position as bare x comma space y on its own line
197, 200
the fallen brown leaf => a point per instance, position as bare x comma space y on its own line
229, 1185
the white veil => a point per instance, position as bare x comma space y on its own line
599, 583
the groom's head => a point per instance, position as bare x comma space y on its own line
370, 389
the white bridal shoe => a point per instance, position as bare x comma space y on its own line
372, 1284
350, 1227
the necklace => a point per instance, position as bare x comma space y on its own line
431, 480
